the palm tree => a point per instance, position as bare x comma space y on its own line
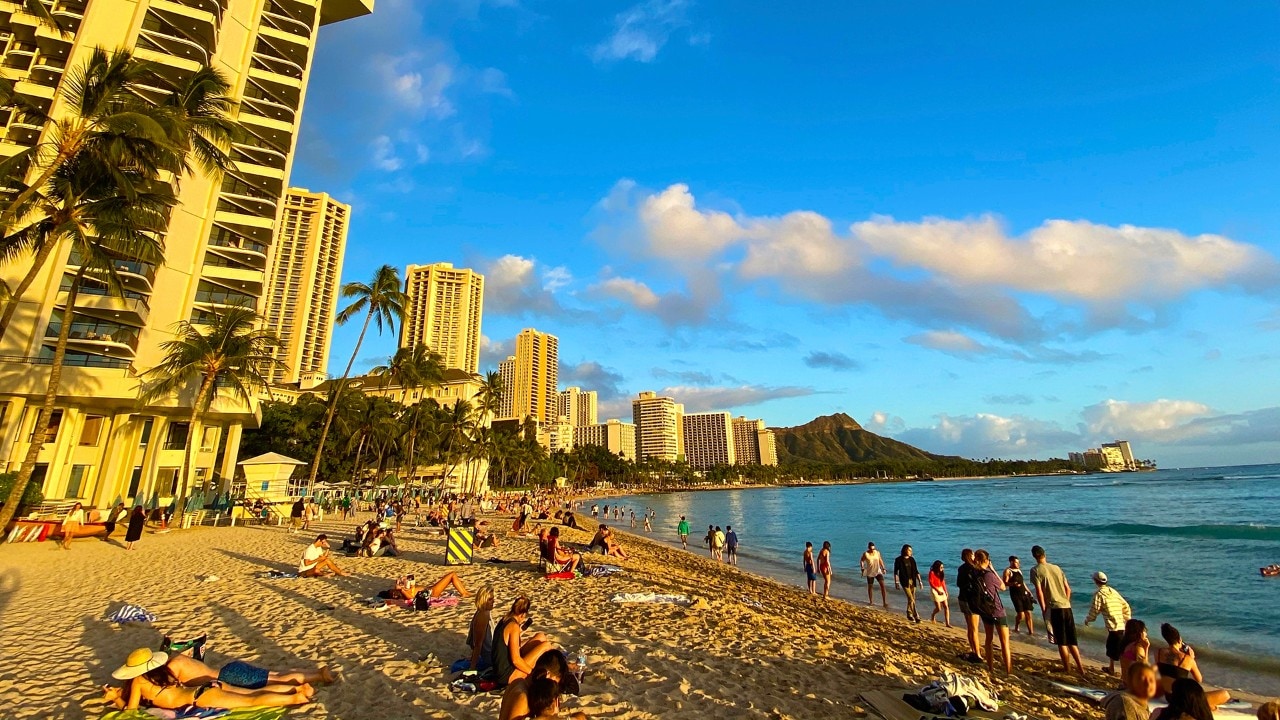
489, 397
412, 368
104, 214
108, 121
383, 302
229, 353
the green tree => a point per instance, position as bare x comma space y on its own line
383, 303
229, 354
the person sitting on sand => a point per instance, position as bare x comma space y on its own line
148, 678
1187, 701
557, 557
384, 545
236, 675
480, 633
1178, 661
551, 666
1140, 686
1136, 646
450, 580
513, 654
316, 560
608, 543
1269, 711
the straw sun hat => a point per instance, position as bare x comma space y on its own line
140, 661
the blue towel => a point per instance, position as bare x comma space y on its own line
131, 613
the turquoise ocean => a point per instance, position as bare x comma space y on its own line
1183, 546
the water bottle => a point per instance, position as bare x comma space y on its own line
582, 666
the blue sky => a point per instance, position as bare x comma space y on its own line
993, 229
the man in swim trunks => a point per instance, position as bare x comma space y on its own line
967, 584
873, 570
810, 570
1054, 593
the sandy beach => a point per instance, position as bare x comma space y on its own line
748, 647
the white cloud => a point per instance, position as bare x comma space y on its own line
493, 351
555, 278
949, 341
988, 435
512, 287
641, 31
708, 399
628, 290
1160, 420
384, 154
417, 82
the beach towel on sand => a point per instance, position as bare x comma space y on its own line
562, 575
131, 613
651, 598
266, 713
277, 575
600, 570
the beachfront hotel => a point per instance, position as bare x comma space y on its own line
615, 436
218, 249
530, 378
579, 406
444, 312
302, 300
708, 440
659, 425
753, 443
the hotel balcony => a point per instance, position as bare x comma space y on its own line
215, 295
95, 336
276, 70
167, 50
193, 20
239, 249
129, 307
277, 23
134, 275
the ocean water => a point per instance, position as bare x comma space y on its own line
1182, 546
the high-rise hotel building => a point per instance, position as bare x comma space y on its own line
218, 247
507, 403
753, 443
444, 311
659, 425
579, 406
302, 298
534, 388
615, 436
708, 440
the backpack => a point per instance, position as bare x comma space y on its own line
422, 601
986, 601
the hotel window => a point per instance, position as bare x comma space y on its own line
78, 482
177, 439
167, 481
209, 439
135, 480
55, 422
146, 433
92, 431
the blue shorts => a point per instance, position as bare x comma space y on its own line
813, 576
243, 675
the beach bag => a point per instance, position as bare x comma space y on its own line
986, 601
422, 601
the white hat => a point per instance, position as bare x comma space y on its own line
1100, 578
139, 662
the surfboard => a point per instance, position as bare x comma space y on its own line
1233, 709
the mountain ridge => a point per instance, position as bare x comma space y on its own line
838, 439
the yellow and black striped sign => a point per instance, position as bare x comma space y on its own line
460, 547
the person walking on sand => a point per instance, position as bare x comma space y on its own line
71, 523
967, 584
717, 544
295, 516
137, 523
730, 545
824, 568
810, 569
1054, 594
1023, 600
683, 530
873, 570
1114, 609
938, 590
906, 575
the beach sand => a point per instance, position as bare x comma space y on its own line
748, 648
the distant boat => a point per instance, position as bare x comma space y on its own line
1271, 571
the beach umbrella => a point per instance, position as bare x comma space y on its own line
154, 502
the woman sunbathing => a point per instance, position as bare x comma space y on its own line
446, 582
148, 678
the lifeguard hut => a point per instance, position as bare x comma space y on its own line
267, 476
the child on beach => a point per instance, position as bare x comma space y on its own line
938, 590
810, 571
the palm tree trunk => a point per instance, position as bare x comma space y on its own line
15, 297
355, 471
193, 428
46, 410
333, 403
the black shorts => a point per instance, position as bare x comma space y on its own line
965, 609
1022, 602
1063, 623
1115, 644
872, 580
998, 621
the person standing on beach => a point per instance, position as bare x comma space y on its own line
731, 545
71, 525
1054, 593
992, 611
595, 511
717, 544
137, 523
967, 584
938, 590
647, 526
810, 570
1023, 600
633, 519
1114, 609
113, 517
824, 568
906, 575
295, 516
683, 530
873, 570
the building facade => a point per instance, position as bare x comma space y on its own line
217, 248
659, 425
579, 406
536, 376
753, 443
507, 403
445, 308
302, 299
708, 440
615, 436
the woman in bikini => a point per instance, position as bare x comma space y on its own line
1136, 645
1178, 662
152, 681
824, 568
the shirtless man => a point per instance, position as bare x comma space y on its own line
238, 674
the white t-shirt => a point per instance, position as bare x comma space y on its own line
310, 557
872, 564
